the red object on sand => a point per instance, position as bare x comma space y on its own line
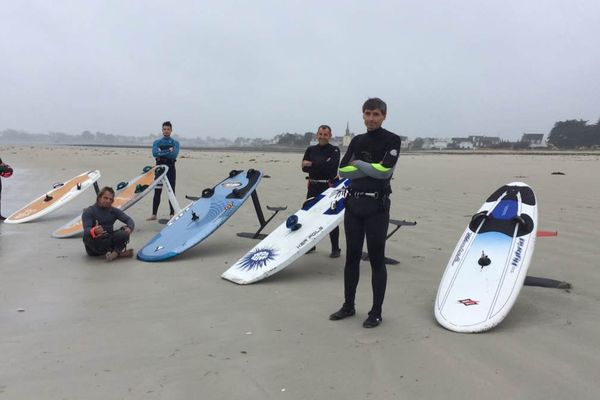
7, 171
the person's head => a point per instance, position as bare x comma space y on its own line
323, 134
374, 113
167, 128
105, 197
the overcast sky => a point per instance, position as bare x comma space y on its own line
259, 68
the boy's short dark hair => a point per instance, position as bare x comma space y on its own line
167, 123
375, 103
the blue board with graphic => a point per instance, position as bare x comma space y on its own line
201, 218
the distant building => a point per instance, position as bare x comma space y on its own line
435, 143
427, 144
484, 141
440, 143
462, 143
347, 137
405, 144
534, 139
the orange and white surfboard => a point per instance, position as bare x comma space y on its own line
60, 195
127, 194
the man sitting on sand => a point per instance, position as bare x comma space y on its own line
99, 237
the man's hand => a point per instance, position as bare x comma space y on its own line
306, 163
99, 230
126, 229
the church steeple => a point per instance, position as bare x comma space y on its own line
347, 128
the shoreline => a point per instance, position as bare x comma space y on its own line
300, 150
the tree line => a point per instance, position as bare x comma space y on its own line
572, 134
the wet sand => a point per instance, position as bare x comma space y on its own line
74, 327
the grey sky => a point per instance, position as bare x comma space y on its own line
258, 68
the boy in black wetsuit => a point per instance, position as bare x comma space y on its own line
321, 162
369, 163
99, 236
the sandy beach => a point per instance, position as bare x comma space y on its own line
75, 327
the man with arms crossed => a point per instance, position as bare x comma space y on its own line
369, 163
321, 162
165, 151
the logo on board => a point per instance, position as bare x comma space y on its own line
257, 259
468, 302
232, 184
518, 253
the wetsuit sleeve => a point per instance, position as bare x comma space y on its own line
88, 221
172, 154
306, 158
385, 168
155, 149
347, 170
126, 219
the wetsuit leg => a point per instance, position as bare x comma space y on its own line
376, 232
355, 236
334, 236
314, 189
171, 176
98, 246
119, 240
156, 199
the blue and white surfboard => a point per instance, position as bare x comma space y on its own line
290, 240
201, 218
489, 264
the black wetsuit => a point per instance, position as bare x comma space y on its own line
165, 150
111, 240
325, 161
369, 163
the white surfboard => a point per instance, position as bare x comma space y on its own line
284, 245
127, 194
60, 195
489, 264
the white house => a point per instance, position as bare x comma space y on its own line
534, 139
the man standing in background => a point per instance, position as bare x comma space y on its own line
321, 162
165, 151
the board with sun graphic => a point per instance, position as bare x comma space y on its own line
317, 218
